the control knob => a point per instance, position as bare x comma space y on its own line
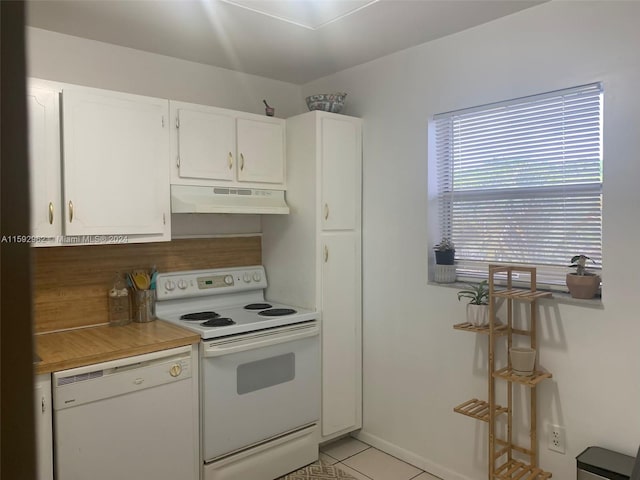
257, 276
182, 284
228, 280
246, 277
169, 285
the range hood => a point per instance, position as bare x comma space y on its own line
198, 199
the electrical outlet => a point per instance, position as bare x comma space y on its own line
556, 438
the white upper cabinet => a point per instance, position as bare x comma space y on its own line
115, 164
341, 177
44, 162
219, 147
112, 183
261, 151
206, 142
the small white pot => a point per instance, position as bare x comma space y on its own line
444, 273
523, 360
478, 315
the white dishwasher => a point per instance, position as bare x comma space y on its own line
130, 419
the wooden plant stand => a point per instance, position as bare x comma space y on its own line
505, 456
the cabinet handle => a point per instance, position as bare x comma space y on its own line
70, 211
326, 254
50, 213
230, 159
241, 161
326, 211
43, 405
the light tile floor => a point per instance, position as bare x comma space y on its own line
364, 462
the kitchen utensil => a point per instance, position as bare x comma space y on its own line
268, 110
130, 282
153, 276
141, 280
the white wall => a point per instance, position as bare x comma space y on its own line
68, 59
64, 58
416, 366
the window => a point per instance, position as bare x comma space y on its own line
521, 182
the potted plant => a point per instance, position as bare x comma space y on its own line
478, 306
445, 252
581, 283
445, 269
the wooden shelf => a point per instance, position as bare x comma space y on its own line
522, 295
478, 409
467, 327
502, 450
514, 469
513, 446
530, 381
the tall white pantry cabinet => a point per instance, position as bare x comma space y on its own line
313, 255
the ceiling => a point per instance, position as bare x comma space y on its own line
294, 41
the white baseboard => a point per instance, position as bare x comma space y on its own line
409, 457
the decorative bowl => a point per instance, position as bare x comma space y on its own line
327, 102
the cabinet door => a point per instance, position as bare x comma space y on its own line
116, 163
260, 151
44, 162
44, 431
341, 333
206, 145
341, 173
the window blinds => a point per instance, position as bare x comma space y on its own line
521, 182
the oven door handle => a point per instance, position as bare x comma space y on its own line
218, 349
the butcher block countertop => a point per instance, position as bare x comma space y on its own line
85, 346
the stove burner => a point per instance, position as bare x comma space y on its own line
257, 306
218, 322
199, 316
276, 312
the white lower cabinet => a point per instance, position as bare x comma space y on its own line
43, 422
313, 255
341, 332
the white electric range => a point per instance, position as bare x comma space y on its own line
220, 302
259, 371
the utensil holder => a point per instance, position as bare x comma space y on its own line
144, 306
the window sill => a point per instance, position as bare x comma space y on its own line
558, 297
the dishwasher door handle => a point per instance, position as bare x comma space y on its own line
218, 349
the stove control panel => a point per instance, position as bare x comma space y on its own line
215, 281
195, 283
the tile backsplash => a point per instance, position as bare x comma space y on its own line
70, 283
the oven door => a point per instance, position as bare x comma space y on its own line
258, 386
